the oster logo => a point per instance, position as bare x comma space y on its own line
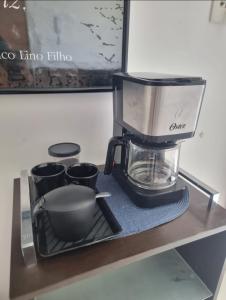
175, 126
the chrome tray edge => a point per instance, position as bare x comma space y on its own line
27, 238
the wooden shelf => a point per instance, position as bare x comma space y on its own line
197, 223
163, 276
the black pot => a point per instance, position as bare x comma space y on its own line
71, 210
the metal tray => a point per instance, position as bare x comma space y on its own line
105, 227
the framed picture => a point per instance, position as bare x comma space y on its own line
62, 46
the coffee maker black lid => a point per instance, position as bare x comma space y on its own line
158, 79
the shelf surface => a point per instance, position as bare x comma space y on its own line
196, 223
162, 276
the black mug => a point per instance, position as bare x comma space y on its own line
83, 174
47, 177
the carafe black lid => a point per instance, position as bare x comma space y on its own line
64, 150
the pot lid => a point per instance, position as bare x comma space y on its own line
69, 198
64, 149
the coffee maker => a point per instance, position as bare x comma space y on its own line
153, 113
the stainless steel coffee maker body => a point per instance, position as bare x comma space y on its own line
158, 107
153, 113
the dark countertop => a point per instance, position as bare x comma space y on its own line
198, 222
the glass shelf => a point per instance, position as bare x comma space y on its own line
163, 276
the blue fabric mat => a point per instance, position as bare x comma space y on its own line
134, 219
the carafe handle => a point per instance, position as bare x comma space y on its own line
113, 143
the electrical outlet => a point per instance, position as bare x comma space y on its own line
218, 11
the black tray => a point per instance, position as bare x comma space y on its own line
105, 227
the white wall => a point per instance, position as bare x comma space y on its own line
177, 37
28, 125
173, 37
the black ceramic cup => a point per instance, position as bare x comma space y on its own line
47, 177
82, 174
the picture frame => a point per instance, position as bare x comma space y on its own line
62, 46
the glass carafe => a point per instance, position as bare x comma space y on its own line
153, 168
